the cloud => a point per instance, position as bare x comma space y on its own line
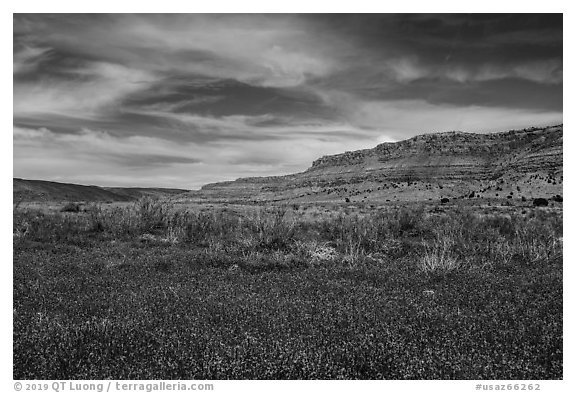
250, 48
543, 71
171, 107
406, 69
409, 69
89, 145
27, 58
90, 155
261, 51
547, 72
102, 86
401, 119
252, 127
178, 100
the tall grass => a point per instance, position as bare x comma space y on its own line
439, 258
441, 242
273, 228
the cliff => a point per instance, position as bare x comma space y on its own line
451, 164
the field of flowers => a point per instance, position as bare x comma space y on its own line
151, 291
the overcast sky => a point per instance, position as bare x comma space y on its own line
183, 100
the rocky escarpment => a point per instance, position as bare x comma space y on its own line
451, 164
452, 155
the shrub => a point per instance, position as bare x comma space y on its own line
407, 221
272, 228
113, 220
71, 207
44, 227
444, 200
540, 202
152, 213
349, 233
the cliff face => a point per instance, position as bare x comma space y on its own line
449, 144
450, 164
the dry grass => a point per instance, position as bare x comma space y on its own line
155, 291
439, 258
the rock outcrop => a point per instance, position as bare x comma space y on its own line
451, 164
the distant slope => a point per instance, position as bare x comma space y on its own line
137, 192
451, 164
47, 191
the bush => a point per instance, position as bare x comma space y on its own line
43, 227
444, 200
71, 207
407, 221
540, 202
272, 228
116, 221
152, 213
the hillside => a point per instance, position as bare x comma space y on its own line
139, 192
514, 164
47, 191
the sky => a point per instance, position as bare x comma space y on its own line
181, 100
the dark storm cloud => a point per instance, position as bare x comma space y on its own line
150, 160
392, 51
228, 97
508, 92
171, 126
437, 36
265, 94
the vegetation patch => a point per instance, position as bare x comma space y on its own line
157, 291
